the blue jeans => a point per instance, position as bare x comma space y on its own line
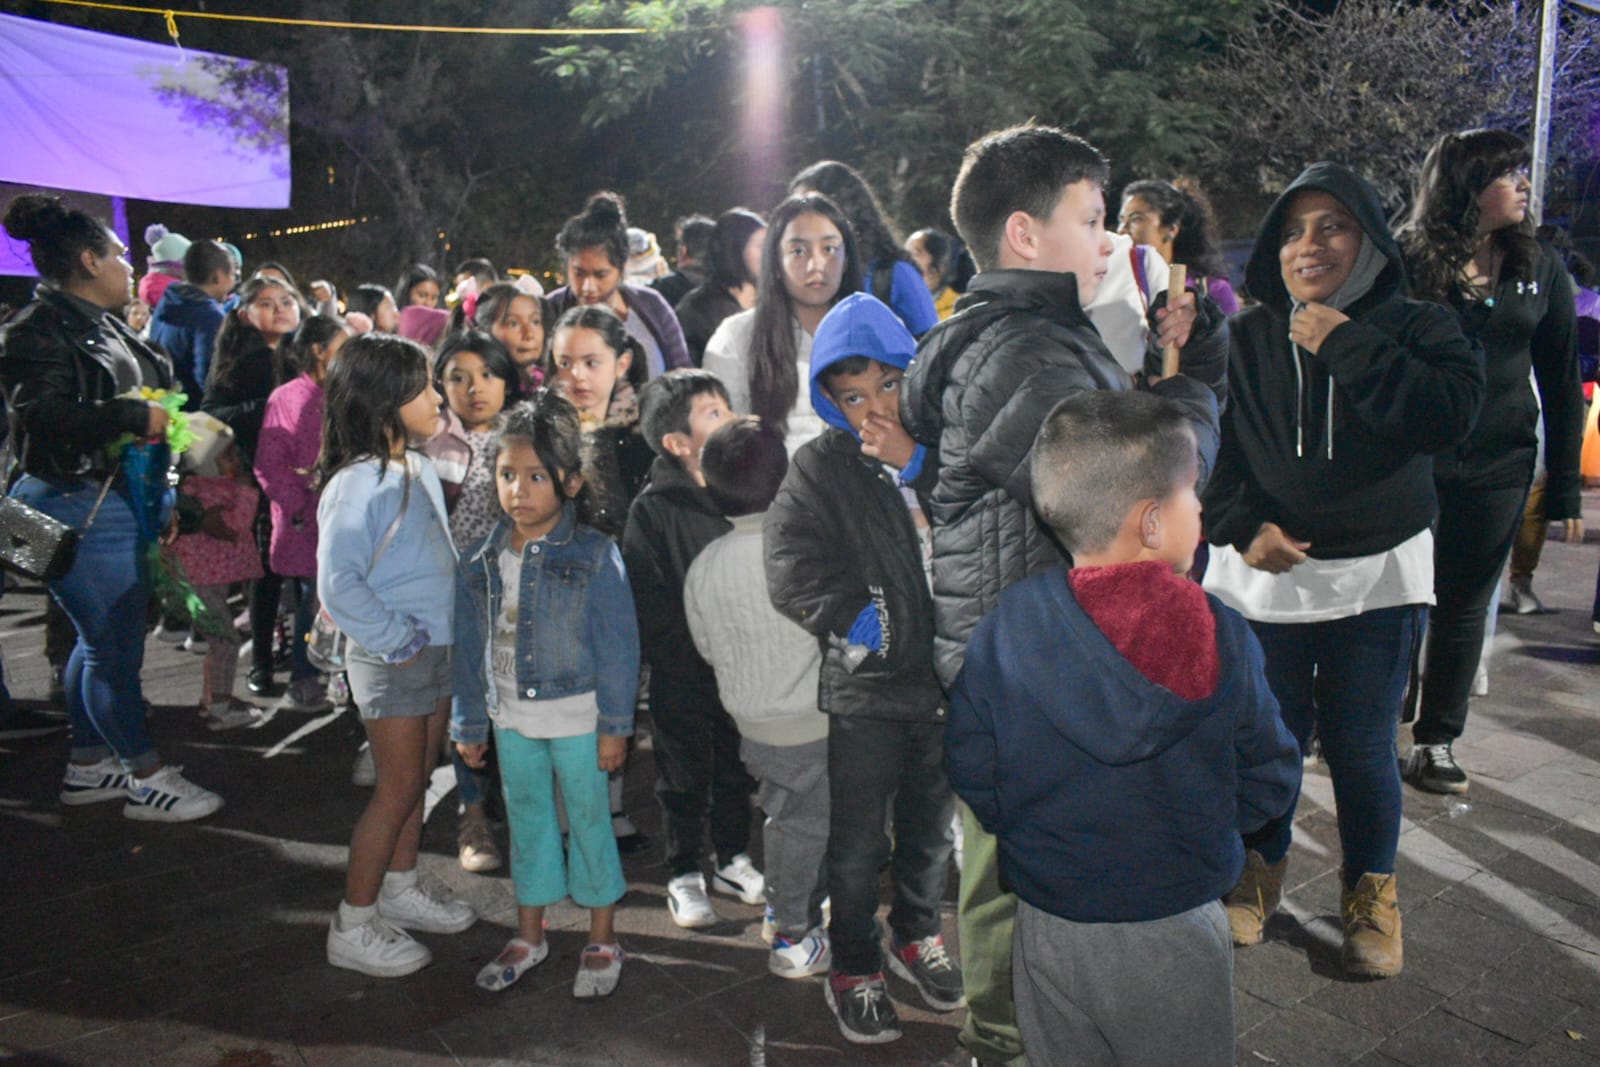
1346, 678
106, 594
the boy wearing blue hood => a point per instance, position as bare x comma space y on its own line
189, 315
847, 556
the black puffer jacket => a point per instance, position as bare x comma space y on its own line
1399, 381
670, 521
980, 388
839, 537
59, 376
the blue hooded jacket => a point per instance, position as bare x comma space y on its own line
185, 322
859, 325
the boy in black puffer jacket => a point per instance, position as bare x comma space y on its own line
848, 547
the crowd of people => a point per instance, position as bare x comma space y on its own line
904, 539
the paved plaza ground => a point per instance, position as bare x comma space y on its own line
202, 944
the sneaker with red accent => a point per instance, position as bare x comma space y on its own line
926, 965
802, 957
861, 1004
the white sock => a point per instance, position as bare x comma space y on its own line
351, 916
397, 882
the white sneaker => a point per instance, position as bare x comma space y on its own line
688, 903
167, 796
232, 715
364, 772
91, 783
801, 958
376, 947
739, 878
413, 909
196, 644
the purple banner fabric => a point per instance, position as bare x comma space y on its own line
106, 114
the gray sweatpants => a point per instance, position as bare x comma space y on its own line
794, 795
1144, 993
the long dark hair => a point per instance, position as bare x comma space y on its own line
728, 239
604, 321
56, 234
774, 381
845, 186
603, 223
237, 338
1182, 204
550, 424
412, 277
300, 356
1441, 235
375, 375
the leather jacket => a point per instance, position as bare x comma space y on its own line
59, 377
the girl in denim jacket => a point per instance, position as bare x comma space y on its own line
548, 655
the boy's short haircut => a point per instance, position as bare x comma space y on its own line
744, 462
694, 238
203, 260
848, 365
1098, 454
1024, 168
667, 399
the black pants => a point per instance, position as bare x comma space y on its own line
700, 774
265, 593
876, 766
1470, 544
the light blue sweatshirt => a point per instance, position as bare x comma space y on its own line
413, 583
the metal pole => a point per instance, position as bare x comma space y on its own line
1542, 106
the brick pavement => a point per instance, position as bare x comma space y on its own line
135, 943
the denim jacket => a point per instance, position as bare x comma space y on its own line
576, 629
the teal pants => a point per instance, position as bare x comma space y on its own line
590, 872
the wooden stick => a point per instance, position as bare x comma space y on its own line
1177, 277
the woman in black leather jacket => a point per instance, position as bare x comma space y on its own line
67, 364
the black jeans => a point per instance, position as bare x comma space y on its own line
1470, 545
699, 774
875, 766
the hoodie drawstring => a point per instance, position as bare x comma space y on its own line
1300, 404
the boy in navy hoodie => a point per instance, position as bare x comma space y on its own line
1113, 728
702, 782
847, 556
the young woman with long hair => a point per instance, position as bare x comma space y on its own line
1469, 246
1176, 220
730, 285
808, 264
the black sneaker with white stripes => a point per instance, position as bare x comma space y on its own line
1433, 768
91, 783
167, 796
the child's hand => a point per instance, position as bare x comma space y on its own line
473, 756
214, 526
613, 751
885, 439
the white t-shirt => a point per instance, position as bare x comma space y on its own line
727, 356
569, 716
1320, 590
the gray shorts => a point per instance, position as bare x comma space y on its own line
398, 691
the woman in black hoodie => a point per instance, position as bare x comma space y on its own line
1469, 246
1319, 512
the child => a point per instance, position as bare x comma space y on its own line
385, 573
1113, 727
696, 743
847, 550
515, 317
1030, 204
598, 366
213, 559
550, 657
766, 670
479, 380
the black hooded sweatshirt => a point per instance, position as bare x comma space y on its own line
1336, 447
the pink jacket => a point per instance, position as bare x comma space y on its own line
205, 559
286, 458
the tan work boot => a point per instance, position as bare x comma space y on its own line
1255, 897
478, 852
1371, 915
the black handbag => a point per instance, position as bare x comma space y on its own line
34, 544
